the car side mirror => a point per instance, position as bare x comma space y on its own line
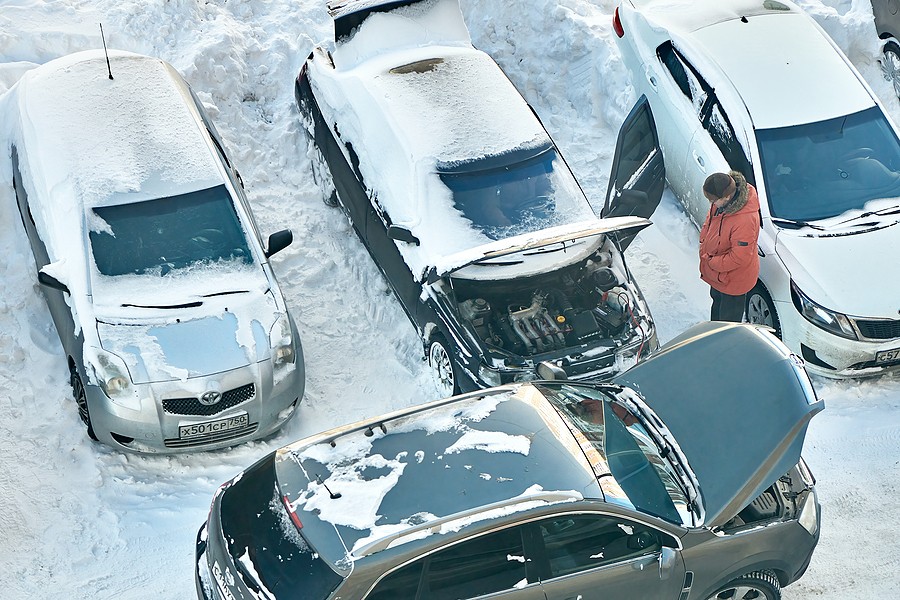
52, 282
279, 240
402, 234
667, 558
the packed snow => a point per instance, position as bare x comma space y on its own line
81, 520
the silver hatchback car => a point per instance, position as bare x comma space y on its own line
175, 331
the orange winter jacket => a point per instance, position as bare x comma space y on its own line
729, 260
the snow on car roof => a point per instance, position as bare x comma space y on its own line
99, 137
689, 15
787, 71
438, 466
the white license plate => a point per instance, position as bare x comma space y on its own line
211, 427
886, 356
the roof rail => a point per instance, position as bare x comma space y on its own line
435, 526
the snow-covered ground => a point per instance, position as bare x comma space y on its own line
82, 521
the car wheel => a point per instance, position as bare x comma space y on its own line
443, 367
322, 175
761, 310
81, 402
759, 585
890, 65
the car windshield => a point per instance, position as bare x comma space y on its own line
630, 454
161, 235
824, 169
517, 192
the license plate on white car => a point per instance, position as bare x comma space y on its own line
212, 427
887, 356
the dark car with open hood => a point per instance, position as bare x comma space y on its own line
646, 487
466, 204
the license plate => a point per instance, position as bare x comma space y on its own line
211, 427
887, 356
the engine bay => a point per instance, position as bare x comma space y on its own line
581, 304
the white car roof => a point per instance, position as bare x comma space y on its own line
135, 135
782, 65
787, 72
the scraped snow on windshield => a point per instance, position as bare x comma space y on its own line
83, 521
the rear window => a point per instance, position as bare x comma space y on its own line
519, 192
161, 235
264, 544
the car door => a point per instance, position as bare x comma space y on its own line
606, 557
638, 174
485, 567
56, 301
673, 91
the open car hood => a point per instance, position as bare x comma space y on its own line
534, 241
738, 403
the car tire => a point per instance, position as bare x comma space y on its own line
761, 310
444, 372
81, 401
890, 65
759, 585
322, 175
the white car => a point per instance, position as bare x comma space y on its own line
760, 88
174, 329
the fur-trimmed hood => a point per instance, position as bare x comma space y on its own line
740, 198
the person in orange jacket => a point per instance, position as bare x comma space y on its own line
729, 260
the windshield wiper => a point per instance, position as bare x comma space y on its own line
225, 293
171, 306
794, 224
890, 210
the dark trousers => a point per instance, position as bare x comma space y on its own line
726, 307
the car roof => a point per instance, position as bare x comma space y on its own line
784, 68
136, 136
787, 72
434, 469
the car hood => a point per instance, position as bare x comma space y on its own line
526, 247
738, 404
841, 272
221, 334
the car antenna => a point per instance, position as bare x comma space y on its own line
334, 496
105, 51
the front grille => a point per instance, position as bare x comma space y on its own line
221, 436
192, 406
879, 330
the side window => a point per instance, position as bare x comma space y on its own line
574, 543
722, 133
484, 565
402, 583
689, 82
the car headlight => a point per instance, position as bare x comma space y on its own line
809, 514
830, 321
489, 376
281, 344
111, 374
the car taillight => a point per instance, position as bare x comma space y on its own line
290, 510
617, 24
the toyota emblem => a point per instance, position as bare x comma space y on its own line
210, 398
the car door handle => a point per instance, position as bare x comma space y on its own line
651, 79
699, 160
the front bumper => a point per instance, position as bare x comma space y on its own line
248, 396
830, 355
